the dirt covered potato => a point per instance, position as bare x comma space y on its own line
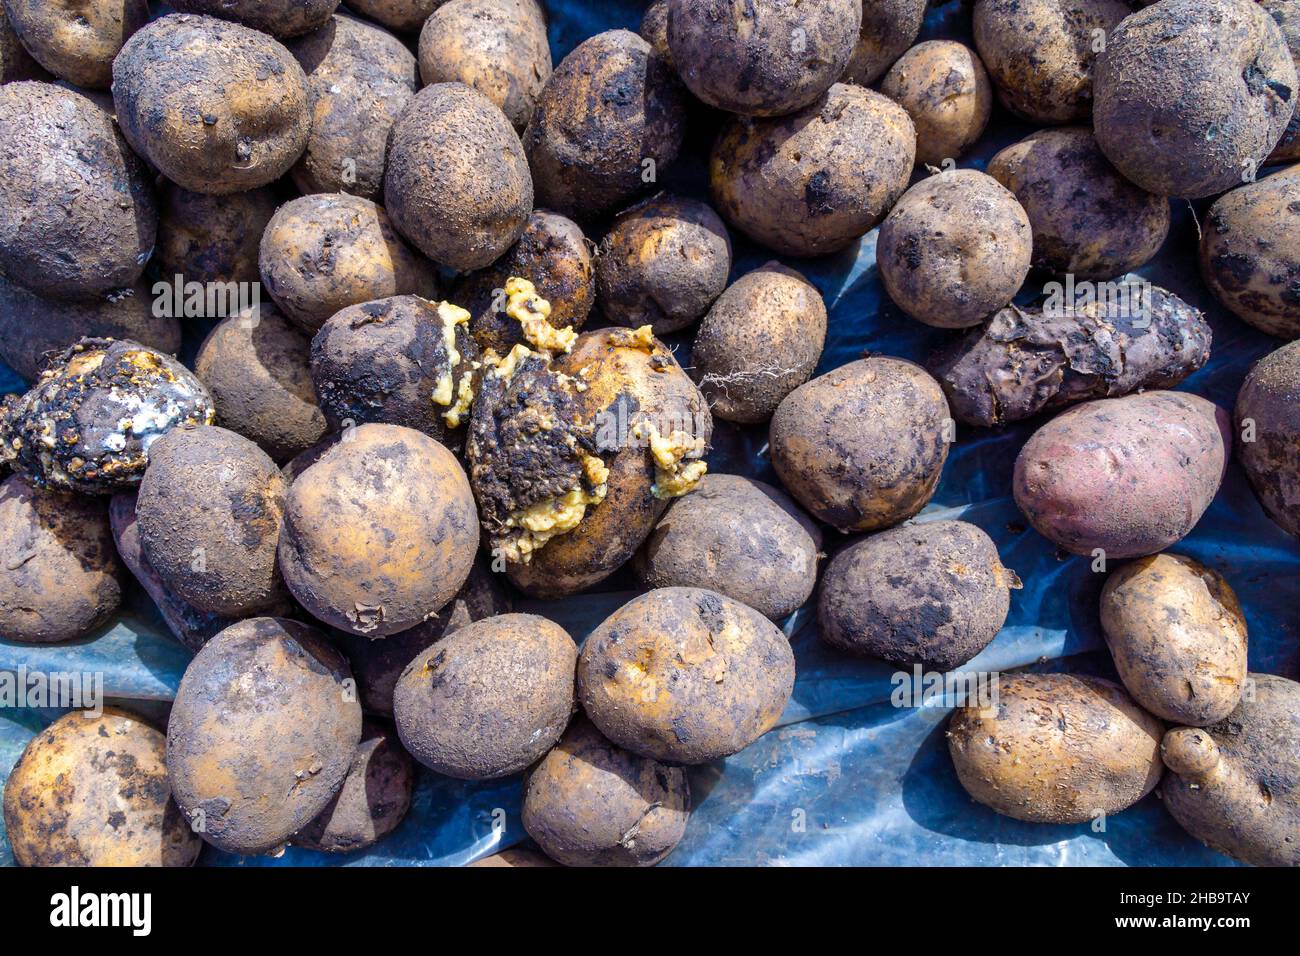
609, 123
87, 425
210, 239
654, 29
280, 18
498, 47
92, 790
1127, 476
76, 39
359, 79
15, 62
1235, 785
1087, 220
216, 107
556, 257
945, 89
1267, 422
380, 533
685, 675
488, 700
1025, 361
739, 537
323, 253
1178, 638
262, 733
403, 360
401, 16
810, 183
1287, 15
879, 462
34, 330
458, 185
1192, 95
258, 370
765, 57
1056, 748
933, 593
61, 576
955, 249
889, 28
760, 341
77, 211
590, 803
209, 510
1250, 253
373, 800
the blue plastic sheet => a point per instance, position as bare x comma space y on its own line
847, 778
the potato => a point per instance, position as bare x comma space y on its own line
262, 733
764, 57
1192, 95
1087, 220
210, 239
609, 122
34, 330
209, 510
1267, 422
589, 803
373, 800
685, 675
107, 401
1233, 785
93, 791
280, 18
1178, 638
216, 107
739, 537
75, 39
77, 211
1125, 476
458, 185
1025, 361
323, 253
62, 579
889, 28
1286, 13
401, 16
662, 264
955, 249
932, 594
556, 257
380, 533
654, 30
15, 62
489, 699
879, 463
498, 47
1250, 253
359, 79
635, 392
400, 361
945, 90
258, 369
1056, 748
1042, 54
812, 183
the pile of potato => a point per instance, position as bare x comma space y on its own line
494, 355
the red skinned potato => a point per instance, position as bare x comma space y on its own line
280, 18
1267, 423
1124, 476
76, 40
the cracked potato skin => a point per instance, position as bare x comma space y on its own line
880, 464
61, 576
78, 216
1193, 95
489, 699
93, 791
611, 105
1056, 748
76, 40
946, 91
590, 803
262, 733
889, 28
379, 533
685, 675
1269, 406
211, 238
279, 18
933, 593
1286, 13
811, 183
